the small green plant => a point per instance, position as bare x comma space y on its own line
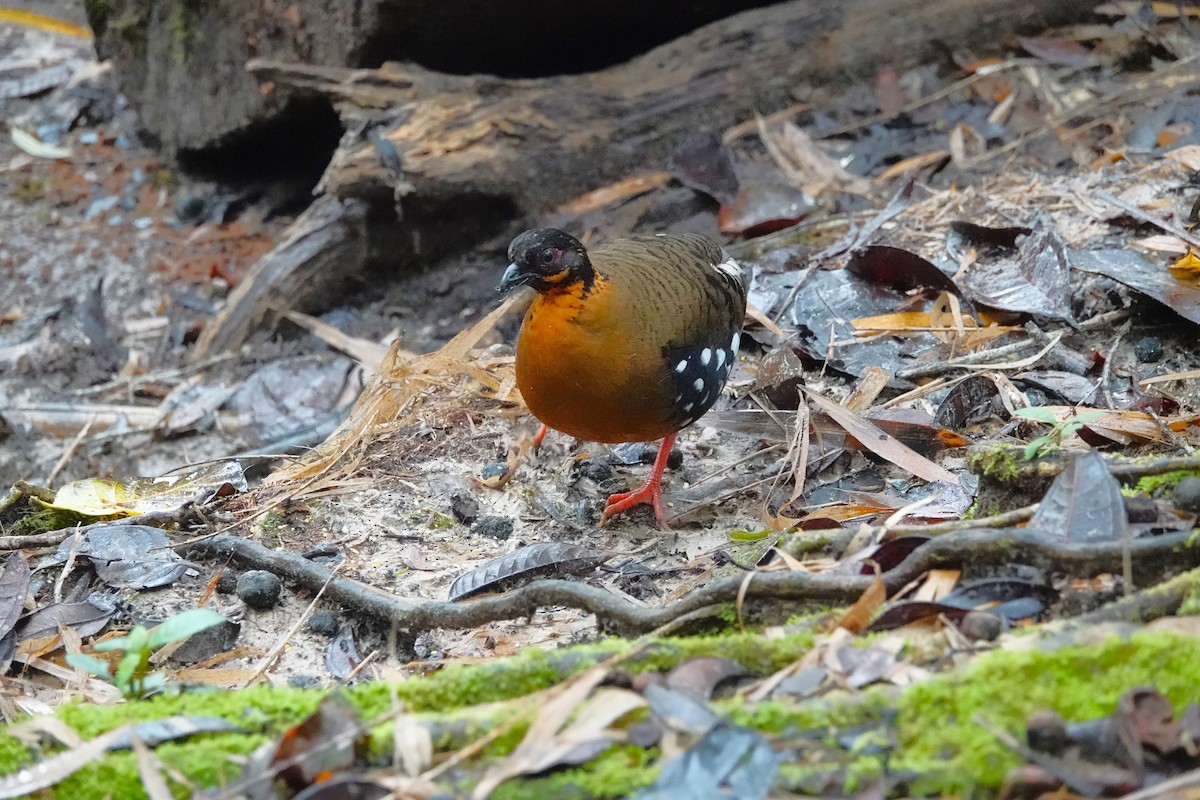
133, 676
1060, 429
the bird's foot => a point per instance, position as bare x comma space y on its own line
649, 493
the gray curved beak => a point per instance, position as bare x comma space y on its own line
512, 278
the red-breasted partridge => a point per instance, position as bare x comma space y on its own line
629, 341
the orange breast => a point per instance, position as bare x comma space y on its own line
581, 371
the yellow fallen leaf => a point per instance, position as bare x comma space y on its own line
41, 22
93, 497
1189, 265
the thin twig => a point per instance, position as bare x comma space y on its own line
977, 547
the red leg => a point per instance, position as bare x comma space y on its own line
649, 492
537, 437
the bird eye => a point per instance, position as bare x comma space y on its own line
547, 256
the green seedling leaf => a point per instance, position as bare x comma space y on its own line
748, 536
1040, 445
181, 626
126, 670
1037, 415
108, 645
90, 664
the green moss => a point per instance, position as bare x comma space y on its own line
270, 709
940, 741
620, 771
999, 462
441, 522
927, 733
29, 190
271, 522
97, 11
180, 23
205, 760
13, 754
826, 716
1150, 484
46, 520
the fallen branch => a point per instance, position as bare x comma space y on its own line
1152, 558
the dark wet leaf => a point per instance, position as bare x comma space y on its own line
699, 677
907, 612
890, 554
779, 378
1021, 608
999, 590
898, 269
678, 711
1126, 266
763, 206
322, 744
1151, 718
85, 618
992, 237
207, 643
528, 563
156, 732
728, 762
192, 406
1064, 52
703, 163
8, 651
289, 394
345, 787
126, 556
341, 655
967, 403
862, 666
830, 300
14, 583
1034, 280
804, 683
1084, 503
1064, 387
1016, 600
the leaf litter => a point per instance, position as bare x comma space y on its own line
1039, 261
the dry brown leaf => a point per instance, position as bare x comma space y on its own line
1166, 10
366, 352
614, 192
937, 584
912, 164
1128, 426
806, 165
858, 616
880, 443
1163, 243
540, 736
1187, 156
150, 771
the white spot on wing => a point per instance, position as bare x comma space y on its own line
681, 366
705, 356
730, 268
698, 384
720, 358
737, 340
688, 408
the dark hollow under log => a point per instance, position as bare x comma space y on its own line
520, 146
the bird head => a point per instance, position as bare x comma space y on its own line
546, 259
